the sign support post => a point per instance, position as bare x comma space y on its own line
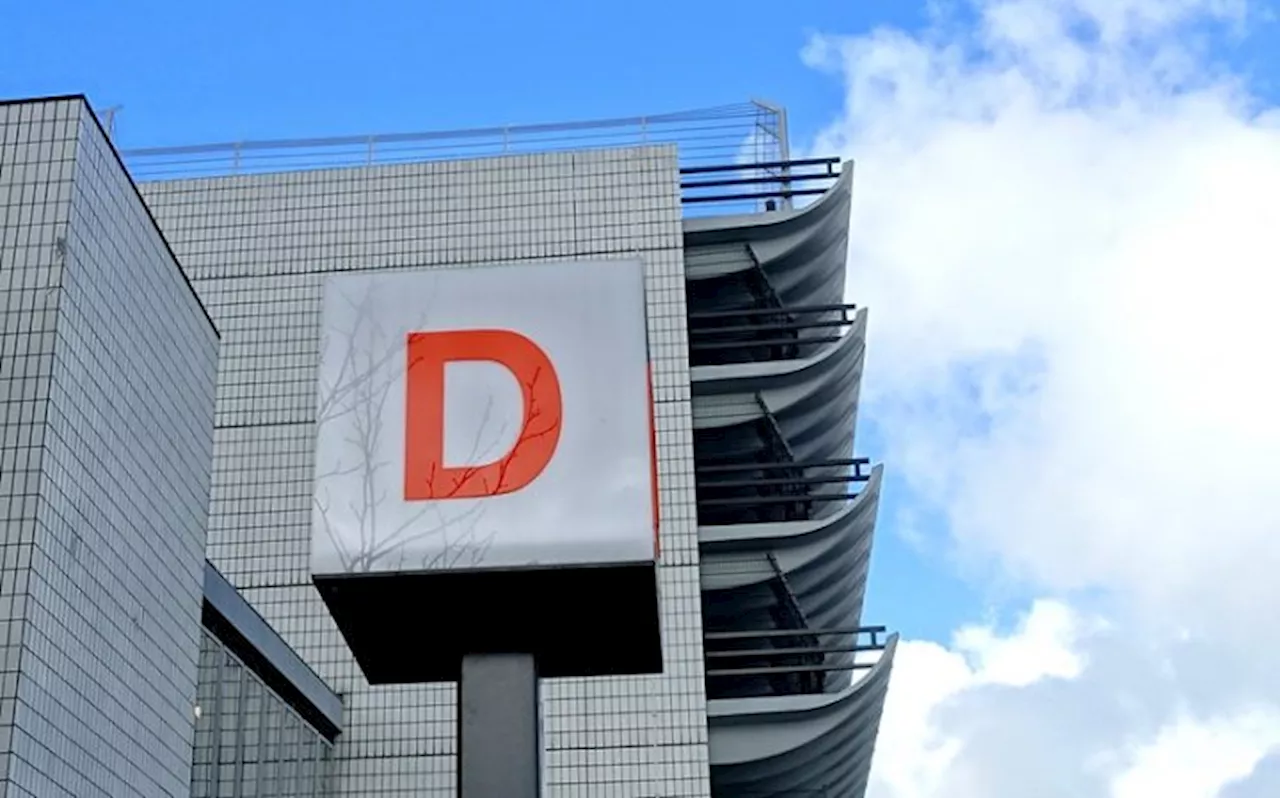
499, 739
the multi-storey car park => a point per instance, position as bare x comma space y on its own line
771, 683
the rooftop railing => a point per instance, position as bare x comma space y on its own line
775, 183
733, 158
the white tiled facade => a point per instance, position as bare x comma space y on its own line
257, 248
107, 377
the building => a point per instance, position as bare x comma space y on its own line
770, 685
107, 369
127, 657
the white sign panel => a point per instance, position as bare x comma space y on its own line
490, 417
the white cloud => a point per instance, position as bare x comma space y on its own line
914, 757
1067, 228
1060, 706
1041, 648
1196, 758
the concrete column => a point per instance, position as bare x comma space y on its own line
499, 739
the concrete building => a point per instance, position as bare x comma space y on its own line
107, 371
771, 685
131, 667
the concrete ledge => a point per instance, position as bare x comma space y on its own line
242, 630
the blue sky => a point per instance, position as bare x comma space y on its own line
236, 69
193, 73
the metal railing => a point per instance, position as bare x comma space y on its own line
750, 493
746, 133
733, 158
771, 182
772, 662
764, 334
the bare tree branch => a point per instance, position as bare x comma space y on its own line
370, 367
344, 556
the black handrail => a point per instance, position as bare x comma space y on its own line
794, 665
755, 335
768, 482
744, 493
780, 178
806, 499
749, 181
708, 346
781, 193
789, 326
744, 167
819, 631
780, 311
765, 670
726, 468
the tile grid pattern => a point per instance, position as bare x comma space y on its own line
115, 363
36, 170
257, 248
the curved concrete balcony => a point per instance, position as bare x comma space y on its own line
775, 259
810, 573
795, 687
799, 745
799, 409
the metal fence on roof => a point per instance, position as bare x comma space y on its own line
748, 133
